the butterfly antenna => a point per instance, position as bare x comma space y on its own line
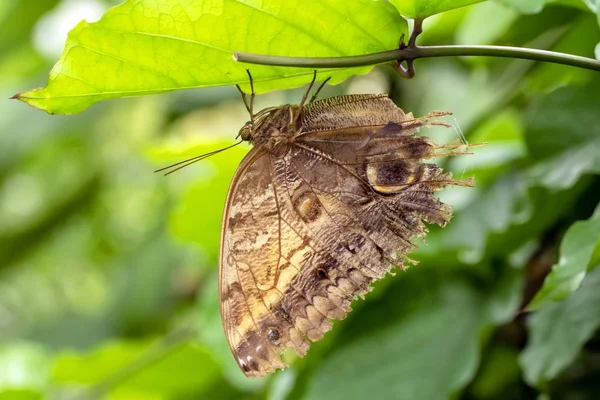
190, 161
314, 97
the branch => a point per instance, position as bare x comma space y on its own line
412, 53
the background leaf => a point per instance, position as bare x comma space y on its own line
192, 366
567, 147
559, 330
431, 341
576, 252
426, 8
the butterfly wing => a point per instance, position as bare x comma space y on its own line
272, 287
307, 230
257, 256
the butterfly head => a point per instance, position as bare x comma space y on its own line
246, 132
269, 126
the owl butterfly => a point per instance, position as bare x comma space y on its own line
328, 200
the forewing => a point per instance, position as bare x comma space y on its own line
280, 283
256, 250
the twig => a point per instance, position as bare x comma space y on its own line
420, 52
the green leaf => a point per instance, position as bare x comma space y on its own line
499, 370
557, 332
579, 38
500, 219
563, 135
194, 368
146, 46
476, 28
526, 7
20, 395
535, 6
565, 169
427, 354
495, 210
426, 8
576, 252
210, 332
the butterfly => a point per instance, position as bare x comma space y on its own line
328, 200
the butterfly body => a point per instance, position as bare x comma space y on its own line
328, 200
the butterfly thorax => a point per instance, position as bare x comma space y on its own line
272, 128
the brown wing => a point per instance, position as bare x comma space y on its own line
350, 113
258, 254
307, 231
269, 302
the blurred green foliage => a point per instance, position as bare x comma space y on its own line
107, 270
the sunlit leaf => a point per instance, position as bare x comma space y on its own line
576, 252
426, 8
145, 46
557, 332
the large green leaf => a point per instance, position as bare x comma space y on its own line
557, 332
576, 253
146, 46
425, 8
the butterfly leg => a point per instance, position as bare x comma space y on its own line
314, 97
250, 105
295, 115
309, 89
